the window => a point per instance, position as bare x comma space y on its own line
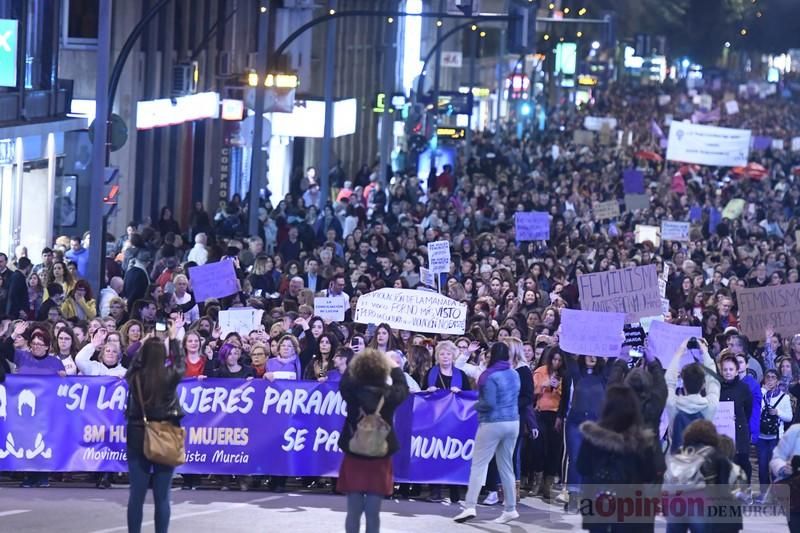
80, 22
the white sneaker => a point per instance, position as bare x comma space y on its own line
563, 497
447, 501
465, 515
506, 517
491, 499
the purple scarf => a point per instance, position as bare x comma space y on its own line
497, 367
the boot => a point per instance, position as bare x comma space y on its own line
516, 490
547, 488
536, 484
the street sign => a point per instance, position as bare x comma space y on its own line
451, 59
8, 52
118, 131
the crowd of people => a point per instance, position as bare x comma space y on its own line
371, 235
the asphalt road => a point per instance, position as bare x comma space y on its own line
80, 508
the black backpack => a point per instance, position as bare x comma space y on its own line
770, 423
679, 424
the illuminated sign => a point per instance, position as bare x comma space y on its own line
169, 112
477, 92
398, 102
585, 79
307, 119
232, 109
566, 58
8, 52
447, 132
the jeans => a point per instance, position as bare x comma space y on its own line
139, 473
743, 460
574, 439
493, 439
764, 447
547, 450
359, 503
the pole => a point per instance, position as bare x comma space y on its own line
96, 272
437, 67
257, 162
500, 85
473, 58
327, 136
387, 136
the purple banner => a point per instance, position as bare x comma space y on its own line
232, 426
761, 142
633, 182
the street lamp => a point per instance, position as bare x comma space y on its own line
595, 45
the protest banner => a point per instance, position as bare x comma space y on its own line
592, 332
644, 233
330, 308
241, 320
635, 202
633, 291
777, 306
633, 181
605, 210
597, 123
213, 280
412, 310
225, 428
734, 209
725, 419
665, 340
675, 231
583, 138
439, 256
426, 277
708, 145
532, 226
731, 107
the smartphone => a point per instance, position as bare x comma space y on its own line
634, 352
161, 326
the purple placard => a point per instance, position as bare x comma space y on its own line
695, 214
633, 182
714, 218
761, 142
233, 426
532, 226
213, 280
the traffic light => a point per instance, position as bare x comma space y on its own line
521, 33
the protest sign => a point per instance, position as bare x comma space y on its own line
635, 202
213, 280
591, 332
668, 119
583, 138
330, 308
664, 99
647, 321
532, 225
675, 231
241, 320
706, 101
761, 142
725, 419
777, 144
777, 306
643, 233
795, 144
734, 209
604, 210
633, 181
695, 214
418, 311
225, 421
597, 123
634, 335
633, 291
731, 107
439, 256
708, 145
426, 277
665, 340
662, 287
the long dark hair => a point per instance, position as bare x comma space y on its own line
499, 352
621, 409
150, 370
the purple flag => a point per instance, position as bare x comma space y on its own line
695, 213
633, 182
714, 218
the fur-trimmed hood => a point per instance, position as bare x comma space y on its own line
633, 440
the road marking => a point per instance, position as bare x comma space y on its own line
231, 507
14, 511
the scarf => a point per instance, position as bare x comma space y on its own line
497, 367
433, 377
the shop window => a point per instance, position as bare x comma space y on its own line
79, 27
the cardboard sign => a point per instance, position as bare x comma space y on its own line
633, 182
605, 210
633, 291
643, 233
240, 320
777, 306
213, 280
330, 309
675, 231
439, 256
664, 99
665, 340
731, 107
777, 144
419, 311
427, 277
583, 138
532, 226
592, 333
725, 419
795, 144
597, 123
708, 145
662, 287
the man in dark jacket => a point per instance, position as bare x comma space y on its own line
136, 281
56, 296
17, 303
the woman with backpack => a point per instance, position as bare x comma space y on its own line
776, 409
368, 439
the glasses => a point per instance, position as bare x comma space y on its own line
258, 354
38, 345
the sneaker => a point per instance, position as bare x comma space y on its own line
562, 498
491, 499
465, 515
446, 501
506, 517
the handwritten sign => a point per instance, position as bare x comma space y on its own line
330, 308
412, 310
439, 256
583, 138
725, 419
644, 233
603, 210
632, 291
777, 306
665, 340
213, 280
592, 333
427, 277
532, 226
241, 320
597, 123
675, 231
634, 202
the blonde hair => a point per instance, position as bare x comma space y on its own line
446, 345
515, 350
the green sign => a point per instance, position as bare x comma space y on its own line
566, 58
8, 52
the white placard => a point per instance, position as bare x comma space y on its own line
795, 144
439, 256
240, 320
419, 311
330, 308
731, 107
664, 99
452, 59
708, 145
597, 123
675, 231
644, 233
665, 340
427, 277
592, 332
777, 144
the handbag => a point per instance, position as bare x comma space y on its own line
164, 442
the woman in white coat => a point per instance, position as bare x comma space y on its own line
109, 363
776, 409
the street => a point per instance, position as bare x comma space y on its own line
76, 508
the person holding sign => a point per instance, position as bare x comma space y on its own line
733, 389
